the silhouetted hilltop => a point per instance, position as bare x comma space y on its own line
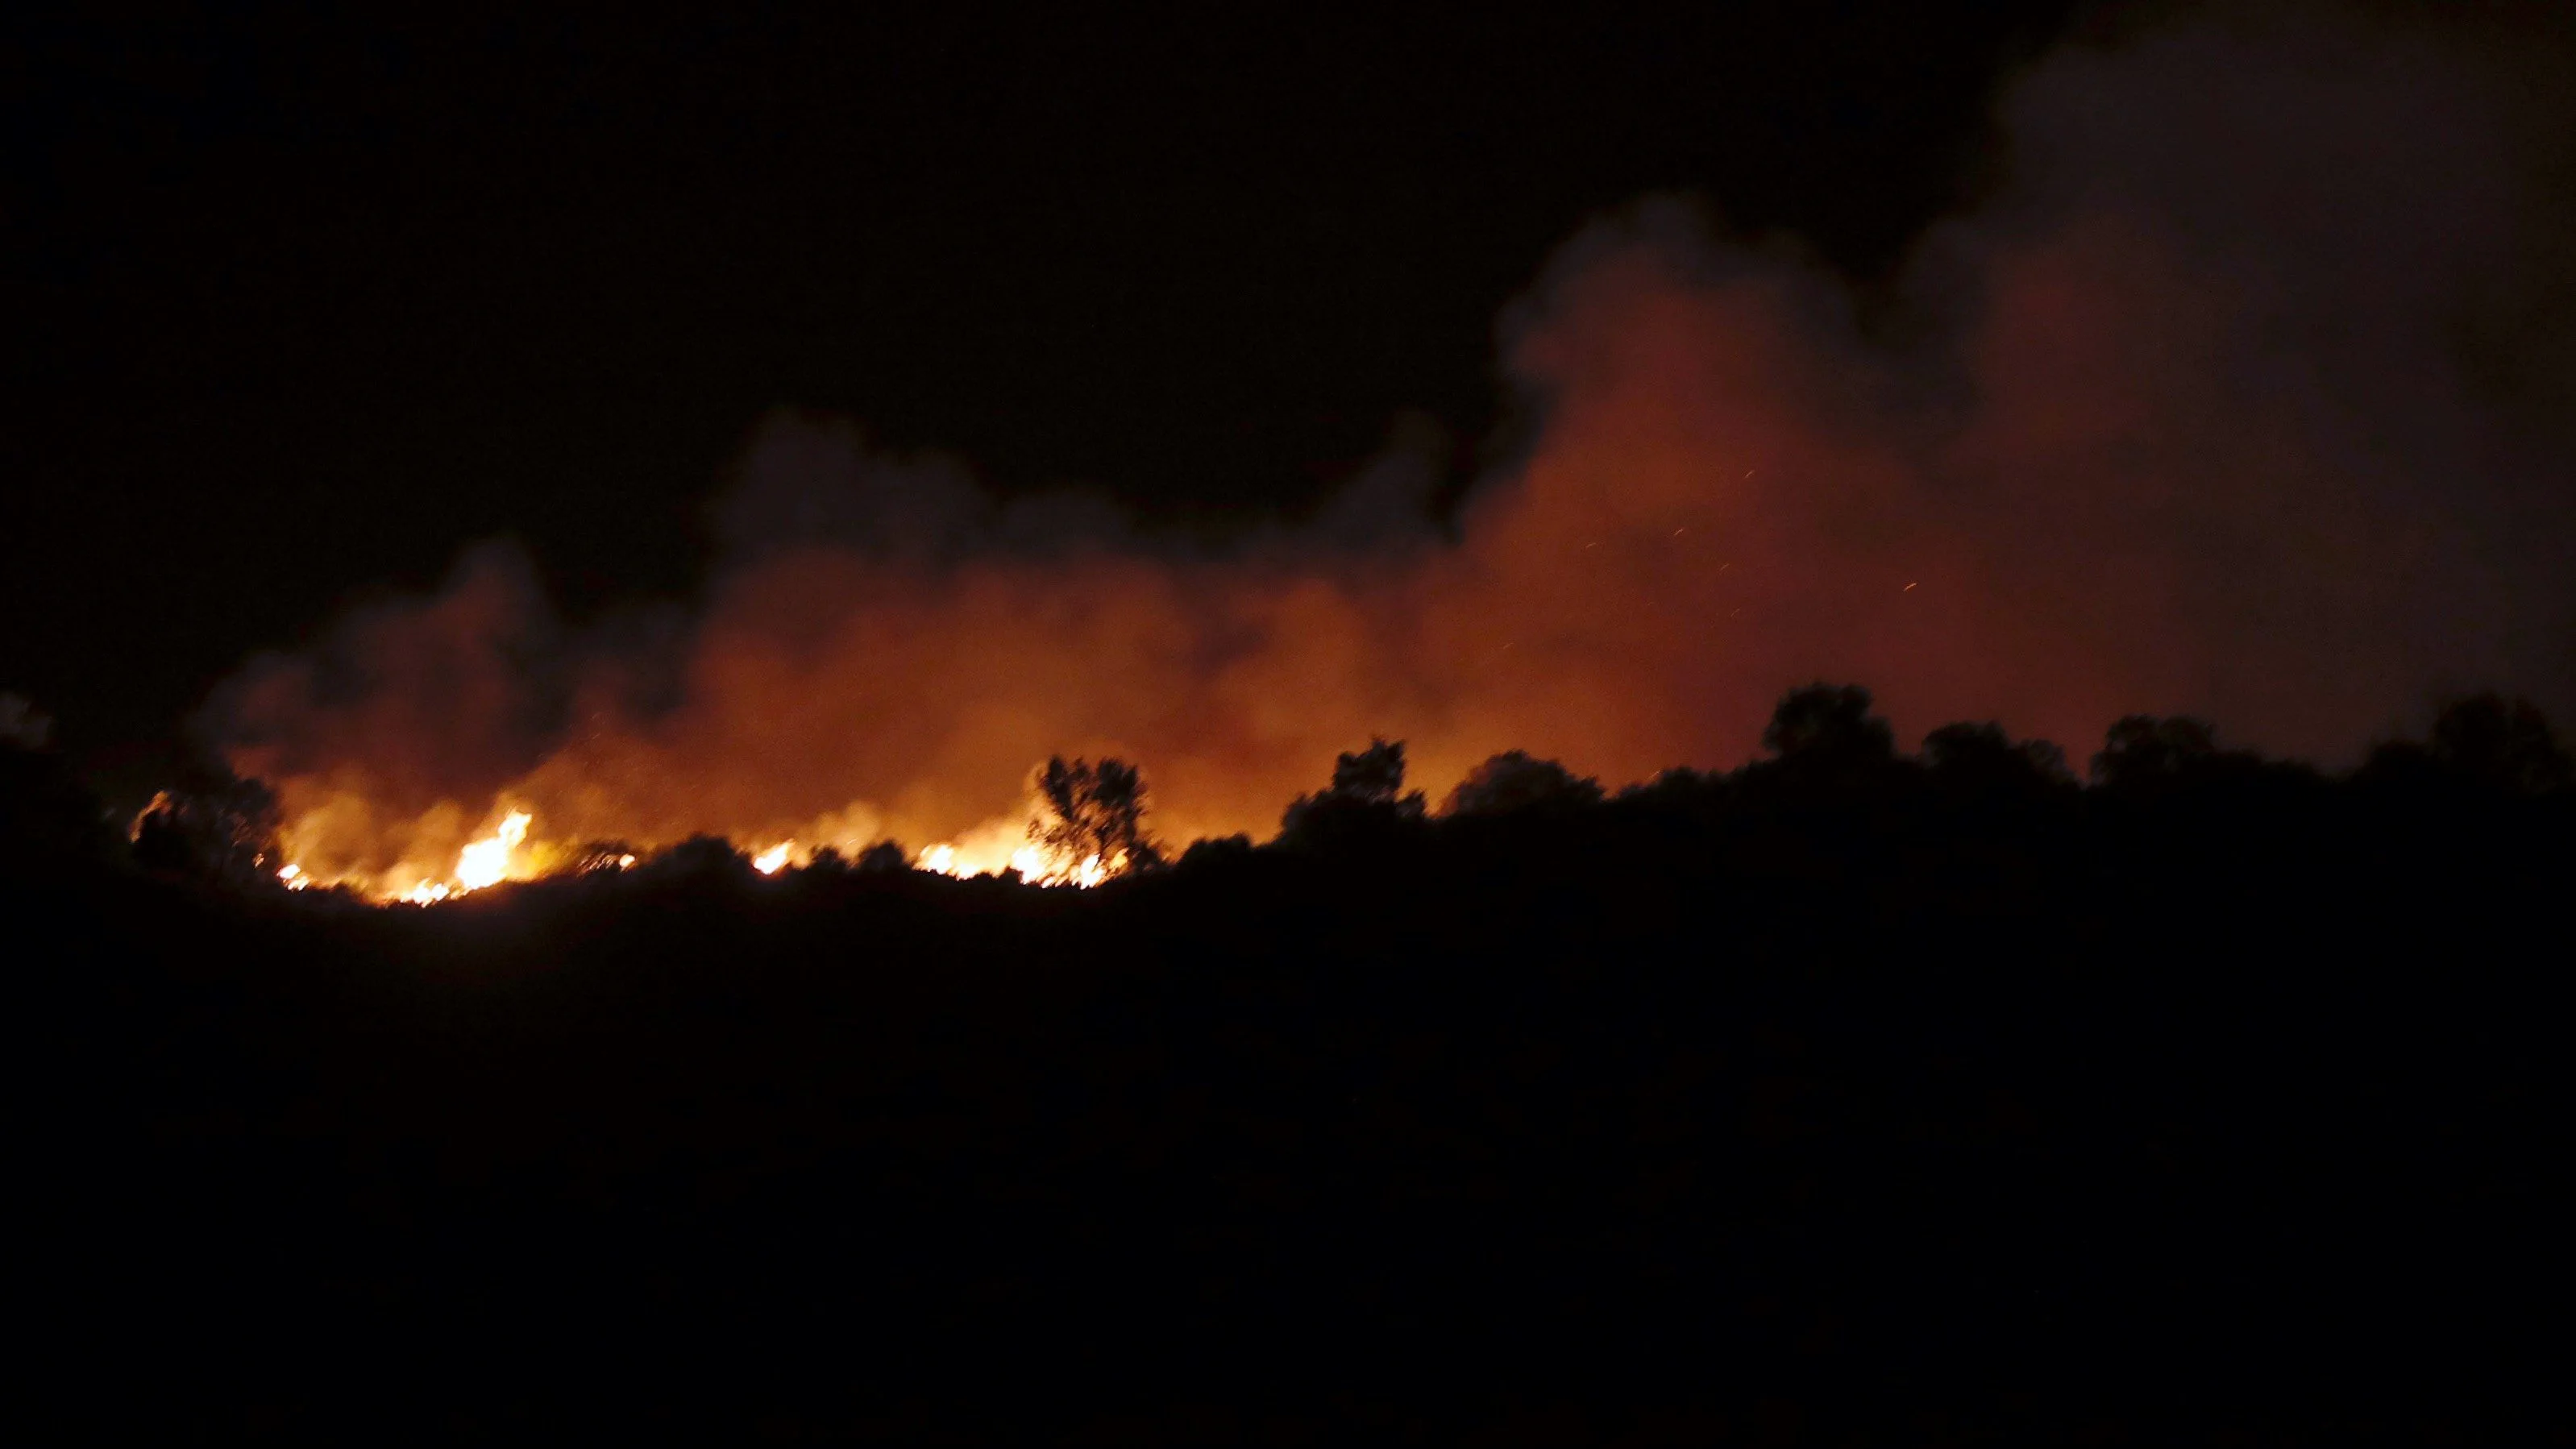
1846, 1096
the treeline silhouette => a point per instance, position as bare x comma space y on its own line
1848, 1096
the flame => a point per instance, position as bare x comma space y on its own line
487, 862
998, 847
505, 854
1031, 863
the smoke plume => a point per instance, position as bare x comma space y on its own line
2234, 396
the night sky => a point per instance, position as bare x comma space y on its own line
302, 303
2035, 362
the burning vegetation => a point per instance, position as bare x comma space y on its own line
1085, 821
1085, 825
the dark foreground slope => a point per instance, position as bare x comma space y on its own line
1879, 1106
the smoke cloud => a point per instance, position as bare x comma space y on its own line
2242, 394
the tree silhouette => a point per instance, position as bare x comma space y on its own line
2504, 744
1827, 728
1367, 795
2143, 750
1514, 781
1094, 811
1980, 757
1374, 776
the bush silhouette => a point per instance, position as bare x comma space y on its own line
1512, 782
883, 857
211, 825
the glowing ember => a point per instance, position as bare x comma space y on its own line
294, 877
772, 860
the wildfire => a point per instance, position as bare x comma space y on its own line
487, 862
1031, 863
511, 851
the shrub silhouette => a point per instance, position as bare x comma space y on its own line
1217, 852
700, 857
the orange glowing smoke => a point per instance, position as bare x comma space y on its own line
2166, 425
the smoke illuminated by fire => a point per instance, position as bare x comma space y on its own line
2180, 420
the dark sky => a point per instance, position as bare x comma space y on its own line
300, 303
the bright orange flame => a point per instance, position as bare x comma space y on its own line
983, 852
512, 851
487, 862
505, 854
998, 846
